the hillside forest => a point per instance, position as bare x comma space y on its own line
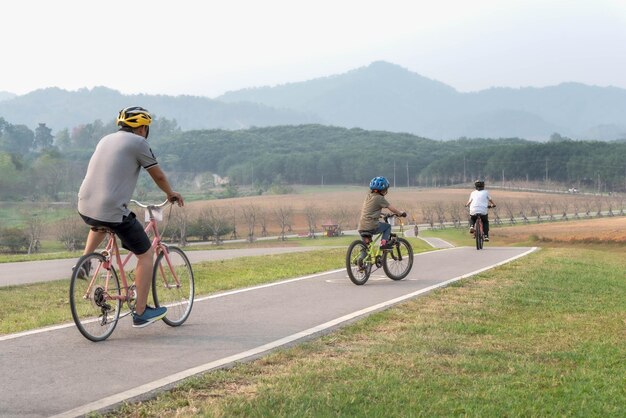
37, 165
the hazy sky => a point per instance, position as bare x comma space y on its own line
209, 47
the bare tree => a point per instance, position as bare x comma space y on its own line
496, 216
179, 222
283, 217
455, 211
340, 215
215, 223
508, 207
576, 208
428, 213
599, 204
233, 235
262, 217
250, 214
535, 210
587, 205
563, 208
34, 229
525, 212
609, 204
548, 207
312, 214
72, 233
440, 210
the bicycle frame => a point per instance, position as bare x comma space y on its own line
373, 249
112, 255
374, 253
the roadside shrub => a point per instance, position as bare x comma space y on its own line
14, 240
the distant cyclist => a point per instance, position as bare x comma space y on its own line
106, 191
372, 206
478, 203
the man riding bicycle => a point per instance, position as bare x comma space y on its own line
479, 202
104, 195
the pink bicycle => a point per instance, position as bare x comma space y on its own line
96, 296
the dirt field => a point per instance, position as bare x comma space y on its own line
607, 229
342, 205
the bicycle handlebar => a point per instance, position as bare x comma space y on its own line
386, 216
144, 205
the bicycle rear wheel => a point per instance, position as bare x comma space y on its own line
479, 235
173, 285
397, 262
94, 313
357, 264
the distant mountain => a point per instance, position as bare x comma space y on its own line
61, 109
380, 96
388, 97
5, 95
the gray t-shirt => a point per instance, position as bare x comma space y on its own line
112, 176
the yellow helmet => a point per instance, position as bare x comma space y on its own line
134, 117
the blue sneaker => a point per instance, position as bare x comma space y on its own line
148, 316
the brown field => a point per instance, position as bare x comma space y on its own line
600, 230
342, 205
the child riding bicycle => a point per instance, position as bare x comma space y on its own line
370, 212
478, 203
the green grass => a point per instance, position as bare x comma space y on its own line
541, 336
52, 250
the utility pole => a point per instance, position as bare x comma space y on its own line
394, 174
464, 178
546, 170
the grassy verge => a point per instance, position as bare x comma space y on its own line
51, 251
542, 336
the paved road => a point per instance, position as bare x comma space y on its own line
57, 371
42, 271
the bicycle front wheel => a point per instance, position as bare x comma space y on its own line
398, 261
357, 263
173, 285
94, 312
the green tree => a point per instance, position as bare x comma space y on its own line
16, 139
43, 138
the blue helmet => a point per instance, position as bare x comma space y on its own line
379, 183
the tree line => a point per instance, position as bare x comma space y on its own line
216, 222
37, 164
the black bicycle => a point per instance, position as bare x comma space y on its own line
479, 231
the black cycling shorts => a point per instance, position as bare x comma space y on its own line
130, 232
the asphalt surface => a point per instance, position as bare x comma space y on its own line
42, 271
56, 371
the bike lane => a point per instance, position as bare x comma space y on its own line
57, 371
